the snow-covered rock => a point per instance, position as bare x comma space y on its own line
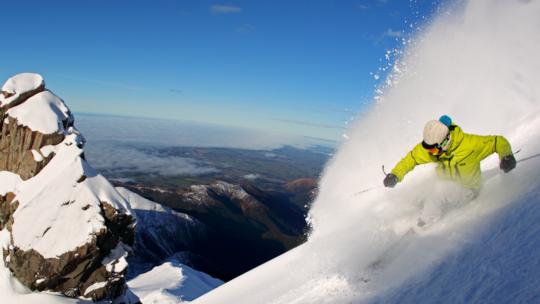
19, 87
44, 112
172, 283
68, 227
13, 292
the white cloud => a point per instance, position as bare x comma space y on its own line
225, 9
251, 176
245, 28
392, 33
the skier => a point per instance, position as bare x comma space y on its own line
458, 156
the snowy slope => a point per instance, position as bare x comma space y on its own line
172, 283
500, 266
9, 181
478, 62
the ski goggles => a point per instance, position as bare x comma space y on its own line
436, 149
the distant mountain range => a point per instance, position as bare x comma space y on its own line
241, 226
251, 209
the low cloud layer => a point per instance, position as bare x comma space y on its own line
117, 160
122, 146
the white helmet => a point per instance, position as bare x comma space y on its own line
435, 133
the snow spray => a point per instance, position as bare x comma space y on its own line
478, 62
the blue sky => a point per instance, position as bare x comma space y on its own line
296, 67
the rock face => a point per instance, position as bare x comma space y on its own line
16, 146
161, 233
70, 230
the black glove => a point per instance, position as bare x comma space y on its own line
507, 163
390, 180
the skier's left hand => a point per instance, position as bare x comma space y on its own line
508, 163
390, 180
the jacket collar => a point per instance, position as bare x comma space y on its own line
457, 136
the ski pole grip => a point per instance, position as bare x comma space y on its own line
384, 171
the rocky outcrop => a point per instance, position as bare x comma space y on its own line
70, 230
20, 146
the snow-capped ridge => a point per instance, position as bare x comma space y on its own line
172, 283
203, 193
137, 202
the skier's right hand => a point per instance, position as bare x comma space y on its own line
508, 163
390, 180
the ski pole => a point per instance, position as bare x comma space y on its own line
372, 187
528, 158
384, 171
367, 189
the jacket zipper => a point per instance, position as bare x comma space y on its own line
449, 167
457, 164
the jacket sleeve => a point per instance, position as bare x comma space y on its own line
417, 156
492, 144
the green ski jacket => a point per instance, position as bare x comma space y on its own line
462, 160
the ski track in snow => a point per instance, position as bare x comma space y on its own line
476, 63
